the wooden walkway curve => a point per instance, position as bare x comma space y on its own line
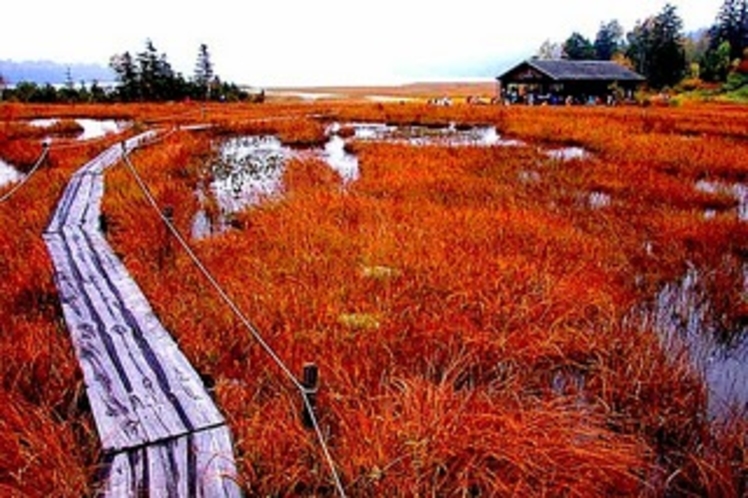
161, 433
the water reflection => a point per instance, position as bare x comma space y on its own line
340, 160
599, 200
567, 154
247, 170
9, 174
738, 191
683, 317
202, 226
92, 128
427, 135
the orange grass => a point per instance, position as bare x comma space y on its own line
472, 322
48, 445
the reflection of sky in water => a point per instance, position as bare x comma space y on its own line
9, 174
249, 169
682, 318
738, 191
599, 200
92, 128
345, 163
424, 135
567, 154
44, 122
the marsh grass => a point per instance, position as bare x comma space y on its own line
470, 326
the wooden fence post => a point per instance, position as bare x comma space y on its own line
103, 224
310, 382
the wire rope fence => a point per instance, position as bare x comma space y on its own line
306, 392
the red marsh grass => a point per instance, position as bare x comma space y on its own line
468, 307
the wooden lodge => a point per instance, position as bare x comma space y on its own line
538, 81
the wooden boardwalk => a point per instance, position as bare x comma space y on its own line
161, 433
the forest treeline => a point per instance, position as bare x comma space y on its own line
146, 76
659, 49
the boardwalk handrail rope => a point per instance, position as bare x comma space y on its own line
244, 320
27, 177
47, 146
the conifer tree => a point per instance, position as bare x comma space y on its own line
203, 71
731, 26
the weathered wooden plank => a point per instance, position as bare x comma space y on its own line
168, 468
64, 278
106, 390
90, 218
194, 465
161, 432
103, 161
72, 206
79, 205
106, 159
147, 386
104, 368
159, 339
154, 342
64, 205
214, 463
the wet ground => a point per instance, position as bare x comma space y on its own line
8, 174
250, 169
737, 191
687, 322
92, 128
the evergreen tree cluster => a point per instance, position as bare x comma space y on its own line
607, 43
658, 48
145, 77
724, 47
148, 77
27, 91
654, 48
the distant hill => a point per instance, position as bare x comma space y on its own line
54, 73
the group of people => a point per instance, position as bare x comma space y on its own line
515, 98
530, 98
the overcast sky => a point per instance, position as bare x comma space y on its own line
307, 42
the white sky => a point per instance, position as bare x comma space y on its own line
307, 42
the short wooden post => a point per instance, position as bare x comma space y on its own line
310, 383
103, 224
169, 214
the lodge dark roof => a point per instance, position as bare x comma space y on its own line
586, 70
